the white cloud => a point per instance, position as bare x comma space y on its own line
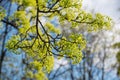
107, 7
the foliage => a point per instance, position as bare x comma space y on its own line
117, 45
41, 41
2, 13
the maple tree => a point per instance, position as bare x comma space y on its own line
42, 40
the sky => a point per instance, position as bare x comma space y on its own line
107, 7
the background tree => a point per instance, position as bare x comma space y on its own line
117, 46
97, 55
40, 41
